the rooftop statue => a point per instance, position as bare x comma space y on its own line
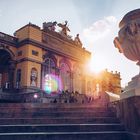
77, 40
49, 26
64, 27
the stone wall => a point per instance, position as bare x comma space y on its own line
128, 110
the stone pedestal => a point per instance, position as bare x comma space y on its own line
128, 43
133, 88
128, 108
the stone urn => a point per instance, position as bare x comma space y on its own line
128, 43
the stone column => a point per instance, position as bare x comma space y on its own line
12, 67
57, 73
71, 77
0, 80
42, 75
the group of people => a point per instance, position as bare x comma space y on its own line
72, 97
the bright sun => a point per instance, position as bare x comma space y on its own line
97, 64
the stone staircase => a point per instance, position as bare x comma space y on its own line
59, 122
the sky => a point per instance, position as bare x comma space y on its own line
95, 20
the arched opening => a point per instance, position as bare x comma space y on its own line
6, 70
65, 76
77, 79
50, 78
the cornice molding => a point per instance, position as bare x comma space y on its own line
45, 47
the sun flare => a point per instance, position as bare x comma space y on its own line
97, 64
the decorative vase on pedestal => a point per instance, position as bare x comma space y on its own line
128, 43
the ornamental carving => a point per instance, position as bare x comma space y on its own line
3, 46
128, 40
33, 77
49, 26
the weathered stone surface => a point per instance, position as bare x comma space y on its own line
128, 40
61, 121
129, 112
128, 43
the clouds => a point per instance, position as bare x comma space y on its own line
99, 40
99, 29
99, 37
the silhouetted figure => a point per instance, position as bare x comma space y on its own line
77, 40
49, 25
64, 27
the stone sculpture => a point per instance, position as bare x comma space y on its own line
49, 26
128, 40
65, 29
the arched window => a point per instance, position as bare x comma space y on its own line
50, 80
50, 66
65, 75
18, 78
33, 77
77, 79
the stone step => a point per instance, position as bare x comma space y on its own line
60, 128
59, 122
62, 120
55, 114
112, 135
49, 105
88, 109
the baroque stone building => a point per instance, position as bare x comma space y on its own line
37, 59
108, 81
